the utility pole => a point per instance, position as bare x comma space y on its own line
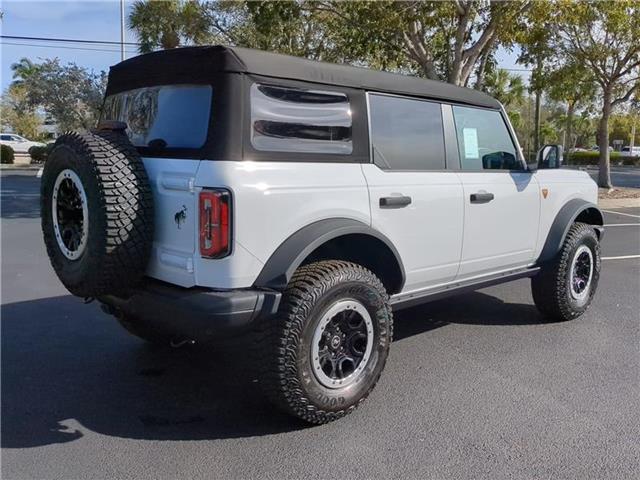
122, 54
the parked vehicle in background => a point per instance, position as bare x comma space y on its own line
18, 143
229, 191
630, 152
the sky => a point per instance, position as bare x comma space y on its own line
86, 20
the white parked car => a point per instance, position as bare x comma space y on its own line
301, 204
630, 152
18, 143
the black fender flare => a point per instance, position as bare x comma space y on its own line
563, 221
281, 265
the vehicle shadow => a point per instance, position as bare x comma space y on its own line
67, 368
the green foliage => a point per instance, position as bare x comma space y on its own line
39, 154
17, 114
7, 154
70, 94
168, 23
593, 158
508, 88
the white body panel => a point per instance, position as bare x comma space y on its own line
428, 232
502, 233
441, 236
561, 186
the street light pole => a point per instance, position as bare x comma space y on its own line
122, 30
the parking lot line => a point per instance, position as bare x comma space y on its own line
622, 224
622, 257
620, 213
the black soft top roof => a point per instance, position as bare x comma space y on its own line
201, 64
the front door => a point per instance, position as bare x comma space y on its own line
501, 199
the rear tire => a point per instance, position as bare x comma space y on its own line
564, 288
324, 351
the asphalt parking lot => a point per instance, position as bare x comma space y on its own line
478, 386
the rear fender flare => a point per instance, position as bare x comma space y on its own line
282, 264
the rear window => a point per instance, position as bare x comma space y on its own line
285, 119
170, 116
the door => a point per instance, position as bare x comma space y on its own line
501, 199
415, 202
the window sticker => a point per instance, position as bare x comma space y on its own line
470, 143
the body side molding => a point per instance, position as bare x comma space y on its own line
563, 221
281, 265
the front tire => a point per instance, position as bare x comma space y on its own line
325, 350
565, 287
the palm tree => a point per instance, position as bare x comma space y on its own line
508, 88
22, 70
168, 23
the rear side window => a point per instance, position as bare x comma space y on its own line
406, 134
170, 116
484, 142
285, 119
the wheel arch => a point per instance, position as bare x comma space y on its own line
337, 239
576, 210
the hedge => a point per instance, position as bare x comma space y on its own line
39, 154
6, 154
592, 158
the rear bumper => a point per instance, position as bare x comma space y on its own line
195, 313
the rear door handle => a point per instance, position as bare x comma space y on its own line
394, 202
481, 197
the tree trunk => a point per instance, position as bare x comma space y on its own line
568, 141
604, 177
536, 127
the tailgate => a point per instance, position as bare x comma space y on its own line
176, 219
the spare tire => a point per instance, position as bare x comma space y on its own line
97, 213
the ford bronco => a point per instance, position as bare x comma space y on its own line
230, 192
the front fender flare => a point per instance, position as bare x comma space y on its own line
562, 223
281, 265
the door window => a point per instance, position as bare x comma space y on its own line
406, 134
484, 142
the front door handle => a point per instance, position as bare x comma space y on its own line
481, 197
394, 202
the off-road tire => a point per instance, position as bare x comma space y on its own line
551, 287
120, 210
285, 340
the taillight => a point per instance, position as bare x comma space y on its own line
215, 231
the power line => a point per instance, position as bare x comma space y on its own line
63, 47
67, 40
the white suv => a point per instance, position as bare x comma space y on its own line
229, 191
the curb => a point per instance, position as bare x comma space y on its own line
20, 167
619, 203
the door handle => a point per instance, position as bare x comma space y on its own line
394, 202
481, 197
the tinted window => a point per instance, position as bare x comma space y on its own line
287, 119
172, 116
6, 138
406, 134
483, 140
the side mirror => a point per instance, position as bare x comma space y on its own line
550, 156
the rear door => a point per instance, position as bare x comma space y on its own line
168, 124
414, 201
501, 199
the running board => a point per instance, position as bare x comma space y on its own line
400, 301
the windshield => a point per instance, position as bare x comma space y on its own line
170, 116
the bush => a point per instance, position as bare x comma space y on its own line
6, 154
39, 154
592, 158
